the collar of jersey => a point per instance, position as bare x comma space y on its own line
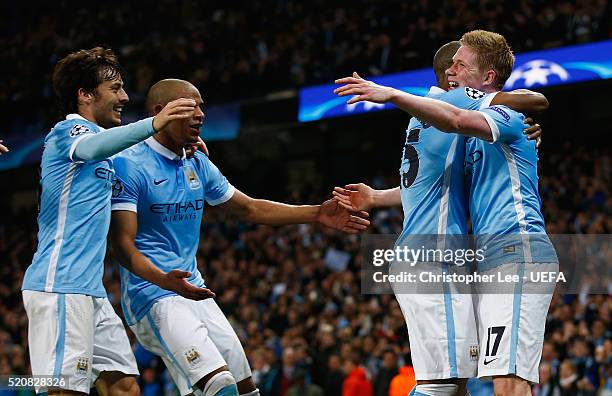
163, 150
75, 116
433, 90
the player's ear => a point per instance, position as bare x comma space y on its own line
157, 108
490, 77
84, 96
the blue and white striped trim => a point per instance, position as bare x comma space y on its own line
443, 212
164, 346
492, 125
61, 334
129, 206
450, 327
518, 201
516, 318
126, 302
61, 225
229, 193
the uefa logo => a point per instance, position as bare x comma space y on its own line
537, 73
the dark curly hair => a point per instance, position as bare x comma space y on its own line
84, 69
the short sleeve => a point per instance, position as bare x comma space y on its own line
67, 134
506, 124
217, 189
127, 185
72, 133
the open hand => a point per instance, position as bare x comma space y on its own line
363, 90
355, 197
333, 215
178, 109
176, 281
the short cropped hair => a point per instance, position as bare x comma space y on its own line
492, 52
443, 59
84, 69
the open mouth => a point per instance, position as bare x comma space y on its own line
117, 110
195, 128
453, 84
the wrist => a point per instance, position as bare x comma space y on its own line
161, 278
375, 199
318, 218
393, 95
153, 124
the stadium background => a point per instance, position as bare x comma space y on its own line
293, 293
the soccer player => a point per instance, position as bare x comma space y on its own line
504, 200
73, 331
156, 218
434, 203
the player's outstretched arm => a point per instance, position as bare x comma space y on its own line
124, 226
114, 140
261, 211
522, 100
360, 196
3, 148
443, 116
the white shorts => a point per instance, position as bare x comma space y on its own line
75, 336
441, 329
193, 338
511, 326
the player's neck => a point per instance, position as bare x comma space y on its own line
168, 143
88, 115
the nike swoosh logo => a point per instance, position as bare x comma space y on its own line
492, 360
158, 182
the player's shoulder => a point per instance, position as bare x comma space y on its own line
133, 157
200, 158
203, 164
74, 127
136, 152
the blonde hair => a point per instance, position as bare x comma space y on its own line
492, 52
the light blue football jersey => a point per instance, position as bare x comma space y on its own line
431, 172
502, 180
168, 194
74, 215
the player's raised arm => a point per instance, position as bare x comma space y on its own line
445, 117
360, 196
124, 225
3, 148
522, 100
114, 140
261, 211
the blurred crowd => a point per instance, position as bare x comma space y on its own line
293, 295
239, 49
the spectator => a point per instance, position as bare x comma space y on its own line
334, 376
383, 378
301, 387
150, 385
356, 382
547, 385
404, 381
568, 378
